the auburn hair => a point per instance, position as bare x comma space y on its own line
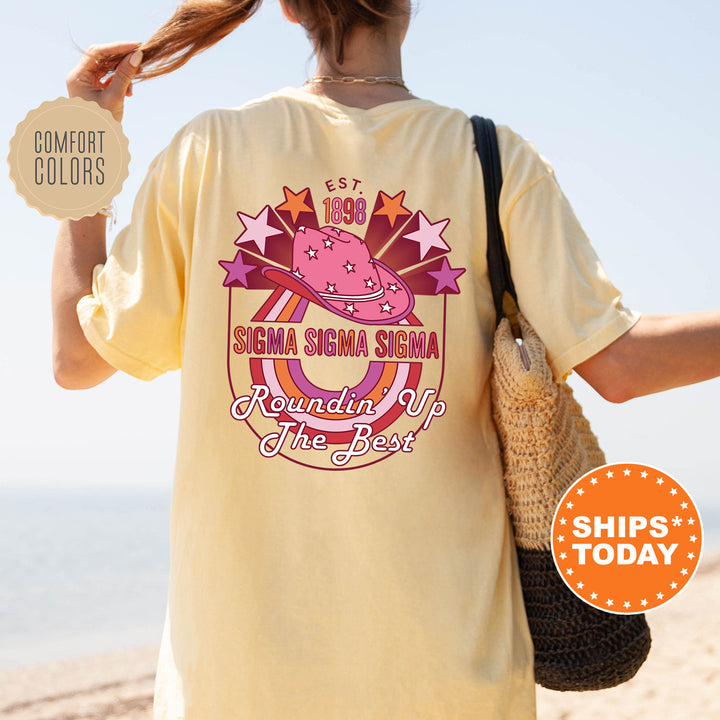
198, 24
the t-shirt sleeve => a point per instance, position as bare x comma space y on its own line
134, 316
562, 288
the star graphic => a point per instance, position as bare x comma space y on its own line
580, 585
659, 481
593, 596
563, 556
429, 235
298, 274
237, 271
691, 521
691, 556
609, 602
683, 506
643, 474
386, 307
609, 473
593, 481
660, 596
328, 243
393, 286
349, 267
673, 585
580, 491
350, 308
626, 473
684, 571
673, 491
330, 287
693, 538
569, 505
561, 538
569, 571
295, 204
257, 229
626, 604
643, 602
676, 521
563, 521
446, 277
370, 283
311, 253
392, 207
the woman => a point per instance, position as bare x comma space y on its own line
314, 261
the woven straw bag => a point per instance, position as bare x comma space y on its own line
547, 444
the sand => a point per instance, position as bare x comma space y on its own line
679, 681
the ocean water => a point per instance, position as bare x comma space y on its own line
82, 570
85, 570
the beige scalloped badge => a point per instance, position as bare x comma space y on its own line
69, 158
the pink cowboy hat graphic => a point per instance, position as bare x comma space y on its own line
333, 268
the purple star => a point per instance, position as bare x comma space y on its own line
237, 271
446, 278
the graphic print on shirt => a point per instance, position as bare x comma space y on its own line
336, 325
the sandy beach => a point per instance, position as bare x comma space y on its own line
680, 680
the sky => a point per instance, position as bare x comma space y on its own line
620, 97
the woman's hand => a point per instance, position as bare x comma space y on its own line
106, 82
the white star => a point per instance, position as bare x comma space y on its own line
643, 602
580, 491
659, 596
580, 585
684, 571
693, 538
311, 253
429, 235
673, 585
659, 481
257, 229
676, 521
691, 521
330, 287
328, 243
393, 286
569, 505
593, 481
563, 556
609, 602
569, 571
673, 491
349, 266
683, 506
593, 596
563, 521
609, 473
298, 274
386, 307
561, 538
643, 474
626, 473
370, 283
350, 307
626, 604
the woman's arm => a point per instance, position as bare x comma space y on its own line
80, 244
658, 353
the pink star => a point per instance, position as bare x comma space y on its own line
446, 277
429, 235
257, 229
237, 271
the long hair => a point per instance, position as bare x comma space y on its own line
198, 24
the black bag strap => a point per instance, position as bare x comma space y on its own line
497, 257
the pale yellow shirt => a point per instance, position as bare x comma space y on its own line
359, 566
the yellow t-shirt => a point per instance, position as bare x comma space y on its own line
340, 548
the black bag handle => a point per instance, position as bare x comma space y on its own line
497, 257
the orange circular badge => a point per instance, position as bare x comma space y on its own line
626, 538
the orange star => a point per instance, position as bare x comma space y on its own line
392, 207
295, 204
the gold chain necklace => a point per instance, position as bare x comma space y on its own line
348, 79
